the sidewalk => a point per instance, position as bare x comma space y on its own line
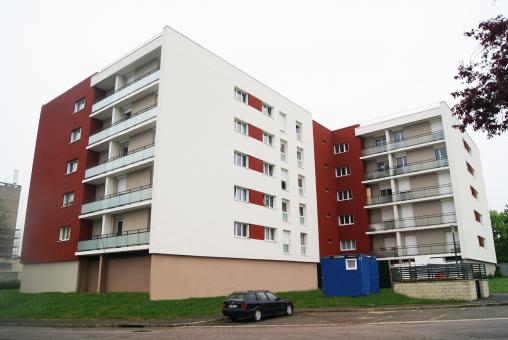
499, 299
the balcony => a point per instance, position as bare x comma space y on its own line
123, 198
413, 222
129, 238
423, 249
134, 156
406, 142
406, 169
124, 124
126, 90
434, 191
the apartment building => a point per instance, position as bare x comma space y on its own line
171, 171
409, 190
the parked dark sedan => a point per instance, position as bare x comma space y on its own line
255, 304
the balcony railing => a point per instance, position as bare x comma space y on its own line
127, 89
408, 168
124, 124
117, 162
439, 272
410, 195
415, 140
126, 239
135, 195
411, 222
423, 249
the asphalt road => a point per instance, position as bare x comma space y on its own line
454, 323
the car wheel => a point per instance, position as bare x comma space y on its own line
289, 310
258, 315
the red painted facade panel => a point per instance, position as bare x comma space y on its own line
45, 214
255, 132
256, 232
255, 197
254, 102
255, 164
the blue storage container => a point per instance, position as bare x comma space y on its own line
349, 275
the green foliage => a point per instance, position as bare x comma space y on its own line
500, 232
9, 284
498, 285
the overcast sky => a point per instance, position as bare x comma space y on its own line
344, 61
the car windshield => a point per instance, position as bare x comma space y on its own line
236, 296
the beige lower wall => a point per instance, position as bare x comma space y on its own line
464, 290
50, 277
180, 277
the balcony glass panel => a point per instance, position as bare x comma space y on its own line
424, 249
127, 89
116, 200
409, 168
411, 195
416, 140
118, 162
130, 238
125, 124
417, 221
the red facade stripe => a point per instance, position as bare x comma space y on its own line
254, 102
255, 164
256, 232
255, 197
255, 132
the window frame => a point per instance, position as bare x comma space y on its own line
338, 171
241, 230
243, 158
270, 234
303, 243
241, 127
340, 148
268, 169
241, 95
64, 233
268, 201
342, 197
241, 194
268, 138
65, 195
266, 109
72, 166
73, 133
350, 219
79, 105
347, 264
349, 245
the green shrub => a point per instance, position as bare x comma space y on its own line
9, 284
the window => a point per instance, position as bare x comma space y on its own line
72, 166
477, 216
301, 185
441, 153
241, 229
301, 210
241, 194
466, 146
269, 234
75, 135
299, 157
271, 297
266, 109
68, 198
380, 141
261, 297
283, 121
351, 264
286, 246
268, 169
474, 192
382, 165
342, 171
267, 138
346, 245
79, 105
341, 148
398, 136
470, 168
283, 150
268, 200
344, 195
285, 210
241, 127
481, 241
401, 161
284, 182
346, 219
303, 243
299, 132
241, 159
65, 233
124, 149
241, 95
127, 114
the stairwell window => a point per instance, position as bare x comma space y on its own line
474, 193
341, 148
301, 185
344, 195
470, 169
241, 194
285, 210
302, 212
346, 219
268, 201
481, 241
269, 234
241, 127
299, 130
283, 150
68, 198
241, 95
75, 135
65, 233
477, 216
72, 166
286, 246
267, 138
241, 159
342, 171
266, 109
347, 245
303, 243
79, 105
299, 157
284, 182
466, 146
283, 121
241, 230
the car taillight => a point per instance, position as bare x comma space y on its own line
244, 306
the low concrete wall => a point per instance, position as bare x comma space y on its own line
464, 290
50, 277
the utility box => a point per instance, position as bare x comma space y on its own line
349, 275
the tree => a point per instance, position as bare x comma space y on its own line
483, 102
500, 231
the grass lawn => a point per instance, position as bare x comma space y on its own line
498, 285
15, 305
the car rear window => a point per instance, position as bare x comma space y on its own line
262, 297
236, 296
